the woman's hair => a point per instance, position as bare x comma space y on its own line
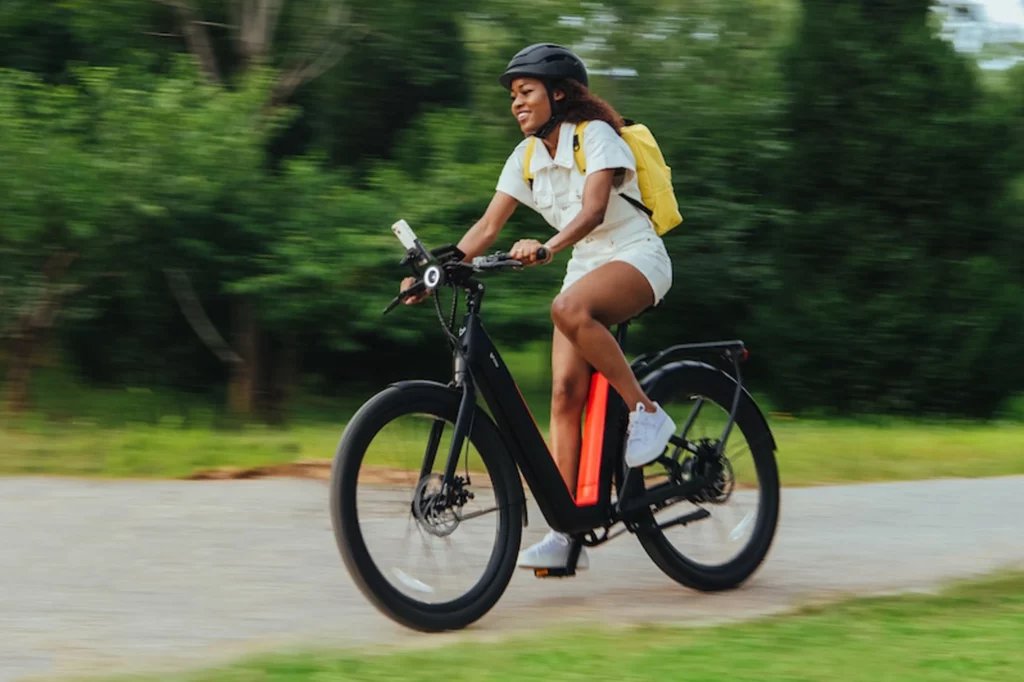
582, 105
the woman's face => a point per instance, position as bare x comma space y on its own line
530, 103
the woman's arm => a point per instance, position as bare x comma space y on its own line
477, 238
483, 233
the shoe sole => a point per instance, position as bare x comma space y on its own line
550, 568
579, 567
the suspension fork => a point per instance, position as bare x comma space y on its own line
463, 424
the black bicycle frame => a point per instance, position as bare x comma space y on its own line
479, 366
488, 373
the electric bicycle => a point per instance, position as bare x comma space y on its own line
698, 468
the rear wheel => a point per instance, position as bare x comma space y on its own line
732, 521
428, 558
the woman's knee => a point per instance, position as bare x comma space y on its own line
568, 313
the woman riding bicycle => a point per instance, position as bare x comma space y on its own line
619, 266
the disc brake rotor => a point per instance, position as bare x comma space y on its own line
434, 514
714, 469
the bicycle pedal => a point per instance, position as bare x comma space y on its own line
553, 573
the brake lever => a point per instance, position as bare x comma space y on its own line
416, 288
494, 261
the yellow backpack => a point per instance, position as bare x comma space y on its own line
653, 175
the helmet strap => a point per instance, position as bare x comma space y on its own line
557, 113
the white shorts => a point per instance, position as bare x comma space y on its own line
645, 251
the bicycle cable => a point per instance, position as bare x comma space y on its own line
453, 340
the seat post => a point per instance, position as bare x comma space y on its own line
620, 334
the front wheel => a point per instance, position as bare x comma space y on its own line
731, 522
387, 504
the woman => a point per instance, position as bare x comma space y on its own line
619, 265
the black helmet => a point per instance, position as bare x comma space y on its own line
546, 61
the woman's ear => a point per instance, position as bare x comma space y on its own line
559, 95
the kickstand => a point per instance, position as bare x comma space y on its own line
570, 566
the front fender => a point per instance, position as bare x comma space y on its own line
406, 384
658, 381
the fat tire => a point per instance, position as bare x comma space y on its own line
443, 402
719, 387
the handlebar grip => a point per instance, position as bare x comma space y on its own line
542, 254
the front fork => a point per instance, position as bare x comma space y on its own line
463, 424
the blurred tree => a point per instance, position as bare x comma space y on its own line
850, 211
897, 289
52, 209
49, 37
411, 60
183, 156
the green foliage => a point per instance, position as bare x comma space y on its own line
897, 288
852, 195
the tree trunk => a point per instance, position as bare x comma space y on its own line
282, 381
244, 375
30, 331
19, 375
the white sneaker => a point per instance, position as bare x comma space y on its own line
648, 435
552, 552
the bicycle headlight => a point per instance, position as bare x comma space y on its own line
433, 277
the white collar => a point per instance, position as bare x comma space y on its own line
563, 156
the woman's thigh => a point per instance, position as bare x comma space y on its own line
612, 293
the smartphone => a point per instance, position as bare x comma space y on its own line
404, 234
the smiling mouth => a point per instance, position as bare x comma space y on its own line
522, 116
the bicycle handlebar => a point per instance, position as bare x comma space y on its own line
438, 274
502, 259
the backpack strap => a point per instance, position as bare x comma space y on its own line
577, 150
527, 159
638, 204
581, 163
577, 147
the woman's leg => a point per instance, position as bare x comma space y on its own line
582, 314
611, 294
570, 387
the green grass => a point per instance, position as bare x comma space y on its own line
136, 432
156, 451
972, 631
811, 452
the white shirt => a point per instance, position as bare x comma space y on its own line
557, 192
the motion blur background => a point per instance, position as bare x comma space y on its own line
196, 195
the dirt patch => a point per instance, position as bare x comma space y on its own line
309, 469
316, 469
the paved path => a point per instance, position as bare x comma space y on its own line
98, 575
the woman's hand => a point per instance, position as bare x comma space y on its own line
525, 251
418, 298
